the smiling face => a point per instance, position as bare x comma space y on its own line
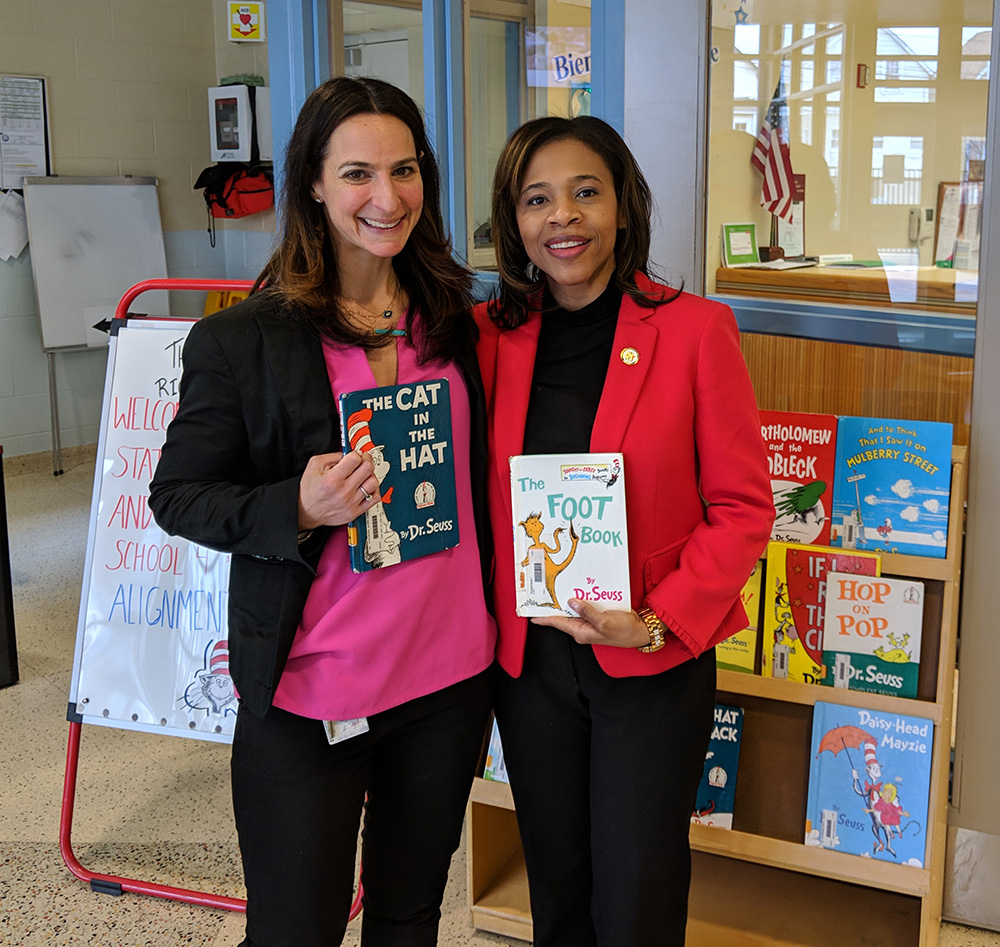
370, 186
567, 215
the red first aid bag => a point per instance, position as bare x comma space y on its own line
235, 190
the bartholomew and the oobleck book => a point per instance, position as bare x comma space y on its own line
570, 535
406, 431
801, 451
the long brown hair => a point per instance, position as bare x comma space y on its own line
520, 280
303, 272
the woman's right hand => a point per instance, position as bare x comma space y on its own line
334, 487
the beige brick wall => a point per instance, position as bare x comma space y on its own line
127, 84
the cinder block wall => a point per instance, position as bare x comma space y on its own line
127, 84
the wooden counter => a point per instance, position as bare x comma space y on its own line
900, 287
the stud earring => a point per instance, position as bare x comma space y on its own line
318, 200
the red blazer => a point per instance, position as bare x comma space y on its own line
699, 494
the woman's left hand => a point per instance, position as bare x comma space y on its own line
614, 627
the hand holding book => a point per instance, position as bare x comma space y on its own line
570, 534
612, 626
335, 489
404, 433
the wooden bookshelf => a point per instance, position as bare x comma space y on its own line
757, 884
868, 381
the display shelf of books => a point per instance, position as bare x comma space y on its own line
763, 882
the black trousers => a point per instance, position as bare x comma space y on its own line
298, 803
604, 773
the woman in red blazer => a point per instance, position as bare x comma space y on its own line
605, 717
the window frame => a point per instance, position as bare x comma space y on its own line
305, 47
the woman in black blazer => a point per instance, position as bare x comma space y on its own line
355, 690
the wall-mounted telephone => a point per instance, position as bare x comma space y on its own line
921, 224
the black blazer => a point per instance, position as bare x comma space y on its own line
255, 405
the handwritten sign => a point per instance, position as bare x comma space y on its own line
152, 651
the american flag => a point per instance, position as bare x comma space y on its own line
770, 157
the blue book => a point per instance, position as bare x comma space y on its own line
717, 790
406, 431
869, 783
892, 484
495, 769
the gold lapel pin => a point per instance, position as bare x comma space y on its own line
629, 356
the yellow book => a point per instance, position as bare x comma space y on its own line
739, 652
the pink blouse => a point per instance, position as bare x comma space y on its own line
373, 641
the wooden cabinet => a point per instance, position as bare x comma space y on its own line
925, 288
757, 884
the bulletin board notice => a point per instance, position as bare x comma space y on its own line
24, 130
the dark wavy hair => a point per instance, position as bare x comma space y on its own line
520, 280
303, 272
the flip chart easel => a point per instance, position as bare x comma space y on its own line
91, 238
151, 649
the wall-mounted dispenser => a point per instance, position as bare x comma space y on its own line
240, 117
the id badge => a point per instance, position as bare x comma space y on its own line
339, 730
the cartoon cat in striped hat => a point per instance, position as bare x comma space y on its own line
212, 688
381, 540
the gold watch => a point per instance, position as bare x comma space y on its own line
657, 630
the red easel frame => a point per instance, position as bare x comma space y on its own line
116, 884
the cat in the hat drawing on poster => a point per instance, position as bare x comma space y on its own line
381, 540
212, 688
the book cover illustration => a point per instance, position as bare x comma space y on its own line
794, 601
892, 485
406, 431
801, 455
717, 789
869, 783
495, 769
739, 652
871, 634
570, 534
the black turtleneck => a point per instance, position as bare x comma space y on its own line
571, 363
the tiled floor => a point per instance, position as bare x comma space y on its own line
150, 807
